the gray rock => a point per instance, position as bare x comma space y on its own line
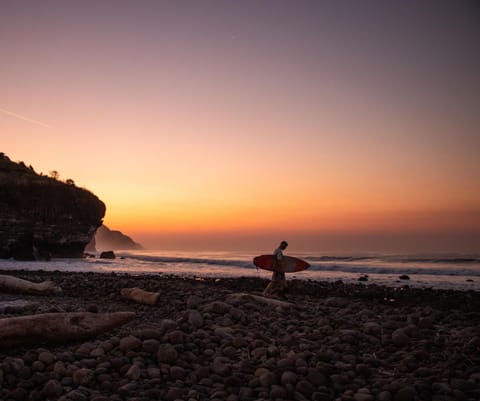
46, 357
337, 302
384, 396
59, 368
267, 379
363, 394
133, 373
97, 352
221, 366
177, 372
193, 302
426, 322
277, 392
441, 388
372, 328
288, 377
75, 395
423, 372
52, 389
176, 337
129, 343
195, 318
82, 376
217, 307
154, 373
400, 339
316, 377
407, 393
174, 393
38, 366
167, 325
304, 387
151, 345
166, 353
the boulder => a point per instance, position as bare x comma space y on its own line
107, 255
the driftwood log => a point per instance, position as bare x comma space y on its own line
239, 298
28, 287
58, 327
140, 296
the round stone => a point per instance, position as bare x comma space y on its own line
288, 377
166, 353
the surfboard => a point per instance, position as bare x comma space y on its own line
290, 263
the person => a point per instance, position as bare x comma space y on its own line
278, 286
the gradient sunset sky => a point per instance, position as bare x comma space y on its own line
337, 125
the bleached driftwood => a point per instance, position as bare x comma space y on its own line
58, 327
140, 296
243, 297
29, 287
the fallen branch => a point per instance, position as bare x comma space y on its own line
28, 287
58, 327
243, 297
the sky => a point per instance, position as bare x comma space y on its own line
205, 125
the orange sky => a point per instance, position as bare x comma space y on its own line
237, 124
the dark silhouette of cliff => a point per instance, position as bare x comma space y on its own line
106, 239
42, 217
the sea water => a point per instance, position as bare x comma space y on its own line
439, 271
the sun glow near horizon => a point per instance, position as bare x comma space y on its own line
222, 121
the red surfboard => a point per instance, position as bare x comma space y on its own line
289, 263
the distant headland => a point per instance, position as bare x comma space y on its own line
106, 239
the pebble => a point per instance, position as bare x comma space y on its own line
46, 357
167, 353
82, 376
400, 338
384, 396
133, 372
52, 389
405, 394
129, 343
288, 377
195, 318
150, 345
202, 342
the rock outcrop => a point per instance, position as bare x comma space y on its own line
42, 217
106, 239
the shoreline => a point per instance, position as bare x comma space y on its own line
336, 341
208, 266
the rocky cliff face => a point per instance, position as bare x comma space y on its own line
41, 217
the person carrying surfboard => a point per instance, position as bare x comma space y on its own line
278, 285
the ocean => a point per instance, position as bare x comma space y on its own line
438, 271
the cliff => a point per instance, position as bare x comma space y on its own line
106, 239
41, 217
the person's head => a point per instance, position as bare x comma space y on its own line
283, 244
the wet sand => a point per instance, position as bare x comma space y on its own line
333, 341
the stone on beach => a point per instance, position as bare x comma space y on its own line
207, 341
400, 338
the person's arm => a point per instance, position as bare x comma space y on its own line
278, 259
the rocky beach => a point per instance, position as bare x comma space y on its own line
215, 339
